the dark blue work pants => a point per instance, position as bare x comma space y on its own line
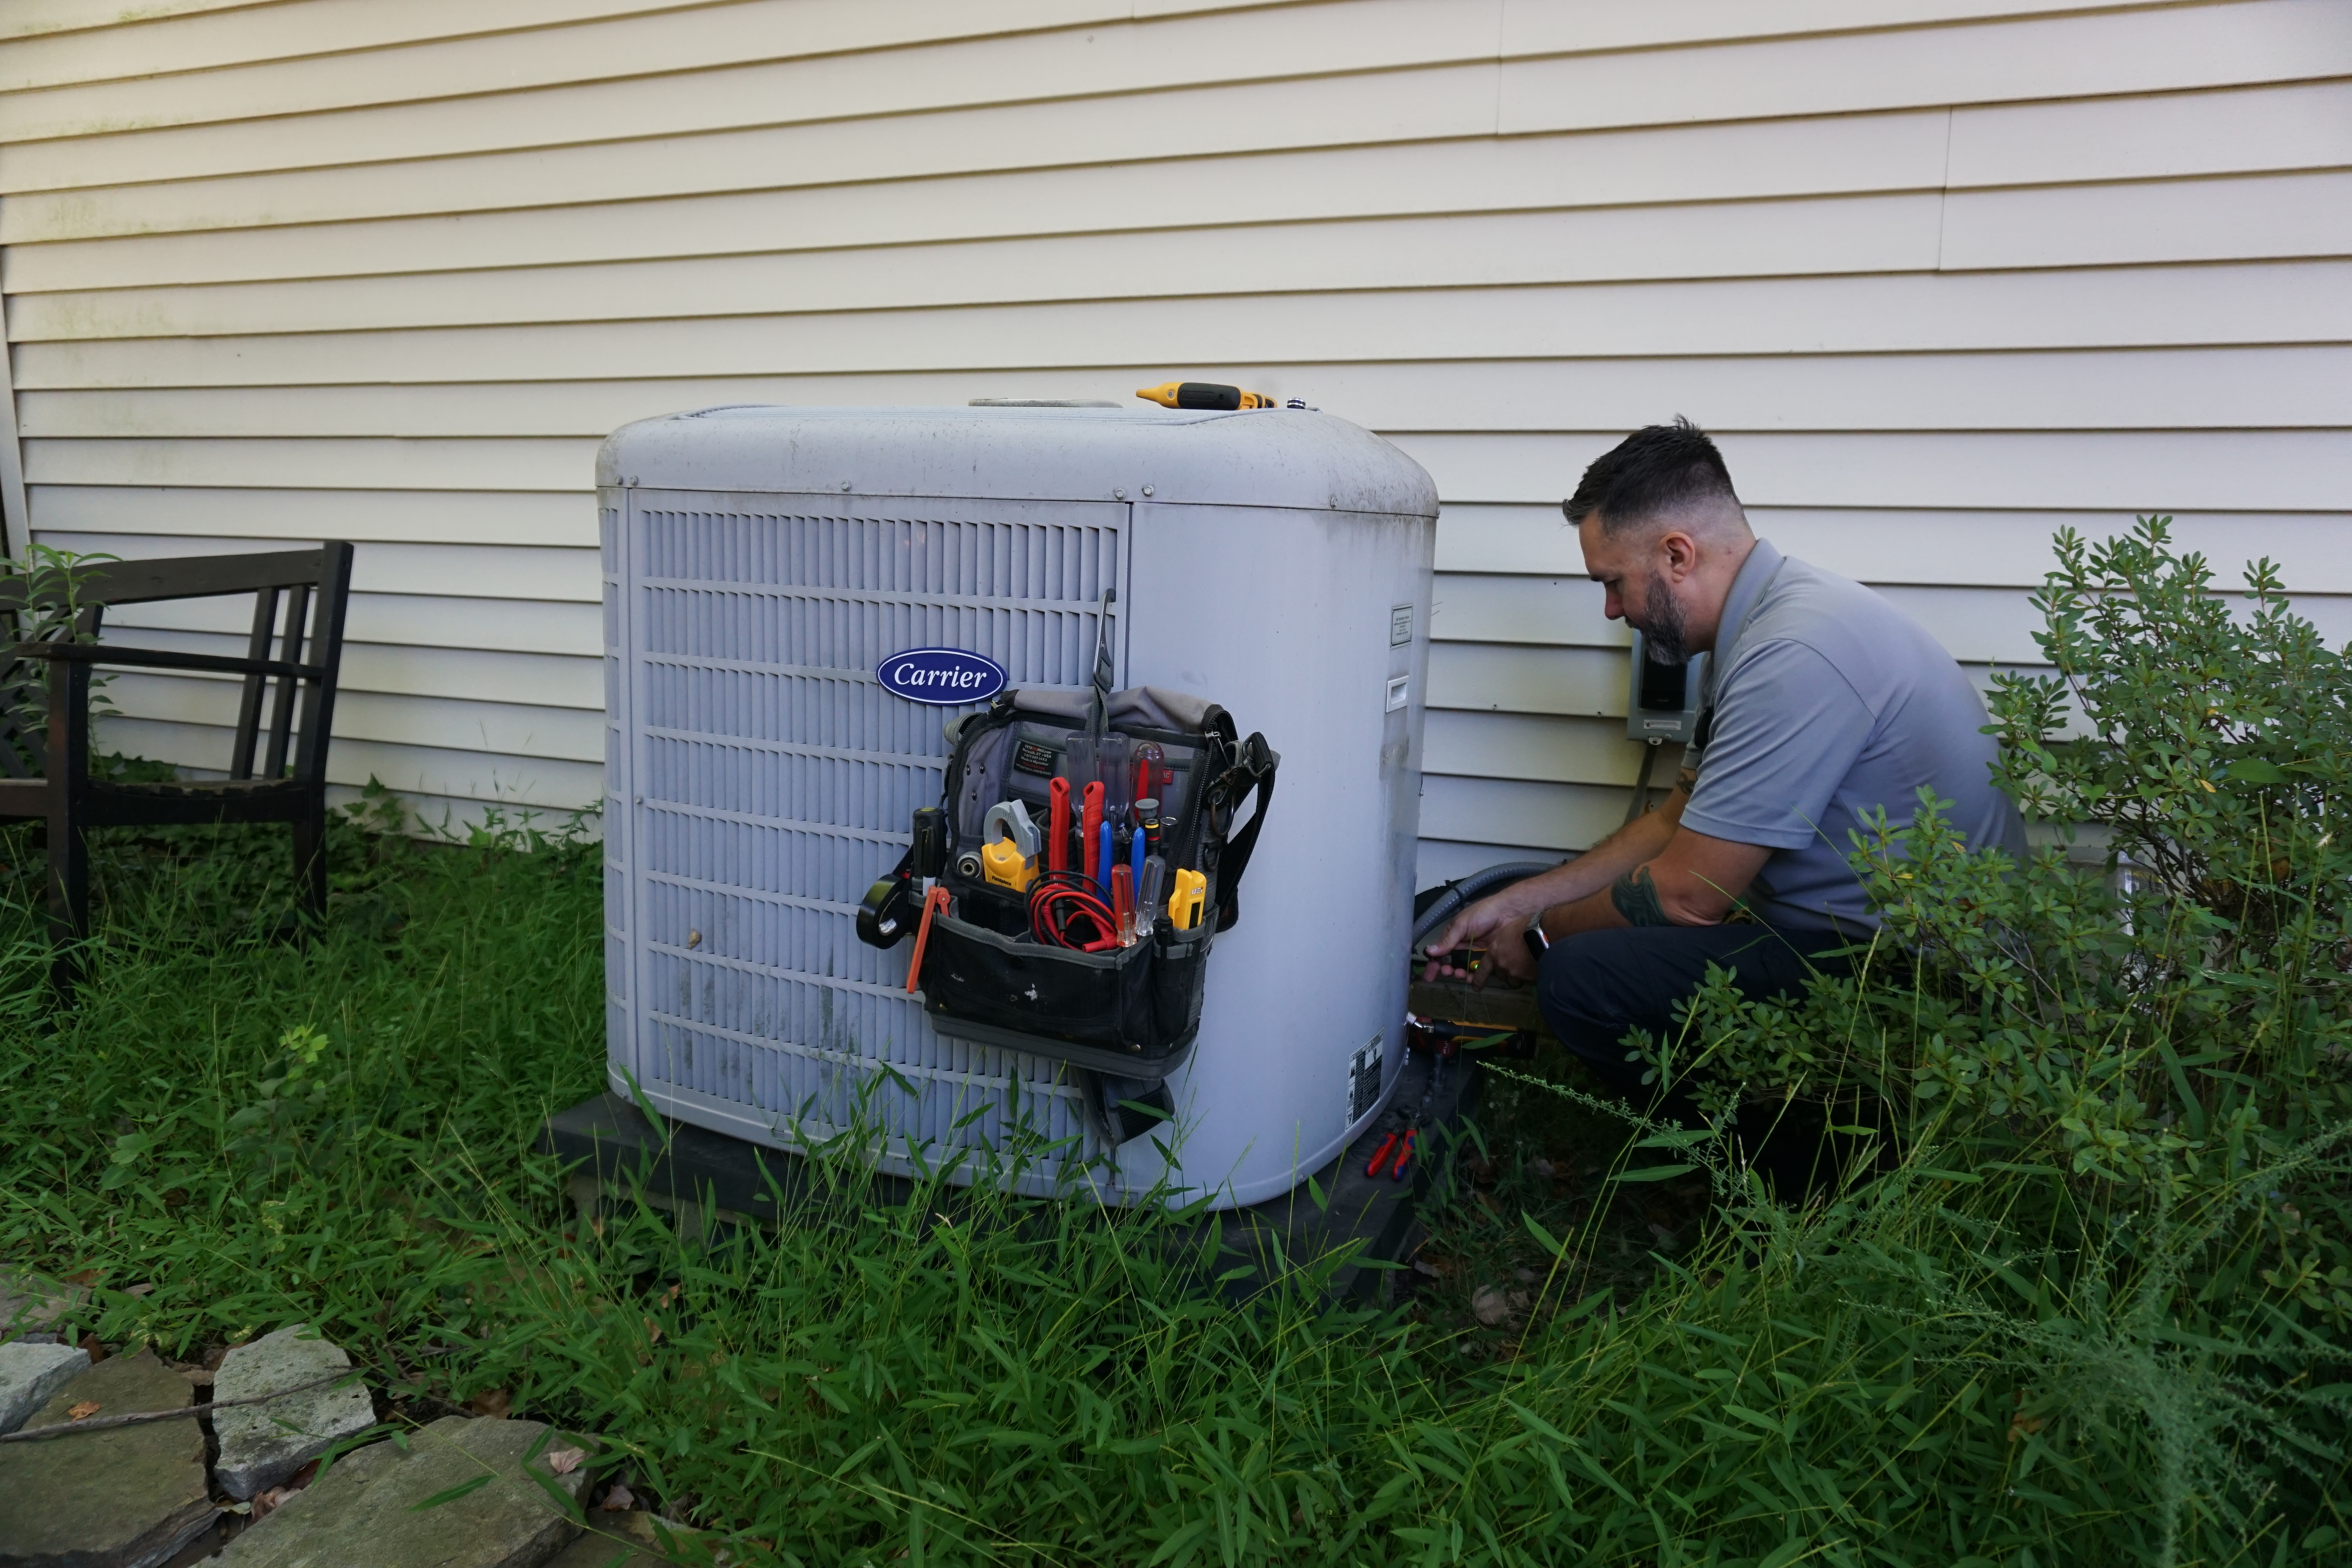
1595, 987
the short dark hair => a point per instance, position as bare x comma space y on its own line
1656, 469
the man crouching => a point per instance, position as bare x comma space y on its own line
1822, 702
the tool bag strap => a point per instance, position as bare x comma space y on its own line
1252, 771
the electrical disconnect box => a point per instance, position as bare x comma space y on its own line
1662, 702
788, 594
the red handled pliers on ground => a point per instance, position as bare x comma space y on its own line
1398, 1143
1404, 1151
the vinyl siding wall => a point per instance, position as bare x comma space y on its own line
1943, 275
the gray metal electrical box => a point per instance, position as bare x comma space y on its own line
1661, 700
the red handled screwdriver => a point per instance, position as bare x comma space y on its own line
1057, 840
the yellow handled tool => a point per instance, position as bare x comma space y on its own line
1184, 903
1010, 861
1005, 865
1204, 395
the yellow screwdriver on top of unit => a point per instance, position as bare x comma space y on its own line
1204, 395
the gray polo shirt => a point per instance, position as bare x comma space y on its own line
1827, 701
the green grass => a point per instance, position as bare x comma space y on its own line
339, 1133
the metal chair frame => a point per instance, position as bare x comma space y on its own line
296, 687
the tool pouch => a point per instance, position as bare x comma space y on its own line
1127, 1011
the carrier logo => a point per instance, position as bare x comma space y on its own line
949, 676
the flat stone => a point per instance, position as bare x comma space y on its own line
261, 1445
364, 1511
117, 1497
29, 1374
30, 1305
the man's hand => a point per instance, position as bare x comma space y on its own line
1494, 924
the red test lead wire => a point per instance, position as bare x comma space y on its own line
1059, 903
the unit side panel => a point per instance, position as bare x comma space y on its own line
620, 822
1268, 1094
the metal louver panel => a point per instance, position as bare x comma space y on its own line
765, 780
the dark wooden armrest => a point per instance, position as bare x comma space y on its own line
159, 659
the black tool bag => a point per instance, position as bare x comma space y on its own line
1128, 1011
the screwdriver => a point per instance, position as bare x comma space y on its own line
1146, 893
1204, 395
1090, 826
1057, 840
1122, 903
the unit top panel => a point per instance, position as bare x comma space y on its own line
1269, 457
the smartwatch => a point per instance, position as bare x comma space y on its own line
1537, 943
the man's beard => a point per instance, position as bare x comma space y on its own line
1662, 625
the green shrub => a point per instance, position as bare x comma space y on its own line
2138, 1069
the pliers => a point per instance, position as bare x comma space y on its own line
1404, 1151
1399, 1142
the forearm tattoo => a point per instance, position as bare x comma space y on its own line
1636, 898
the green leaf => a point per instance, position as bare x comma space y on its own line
463, 1488
565, 1502
1656, 1173
1541, 1235
2256, 771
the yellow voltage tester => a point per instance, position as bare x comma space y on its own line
1204, 395
1184, 903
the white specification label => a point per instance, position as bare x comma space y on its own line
1400, 625
1364, 1080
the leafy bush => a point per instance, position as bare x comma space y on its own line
2161, 1045
41, 592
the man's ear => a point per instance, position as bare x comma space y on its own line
1677, 555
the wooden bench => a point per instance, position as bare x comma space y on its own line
276, 774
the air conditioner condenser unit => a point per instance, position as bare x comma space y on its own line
763, 564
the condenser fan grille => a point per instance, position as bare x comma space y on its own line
765, 779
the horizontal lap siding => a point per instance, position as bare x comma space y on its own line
1943, 275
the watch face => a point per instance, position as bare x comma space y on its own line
1536, 943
